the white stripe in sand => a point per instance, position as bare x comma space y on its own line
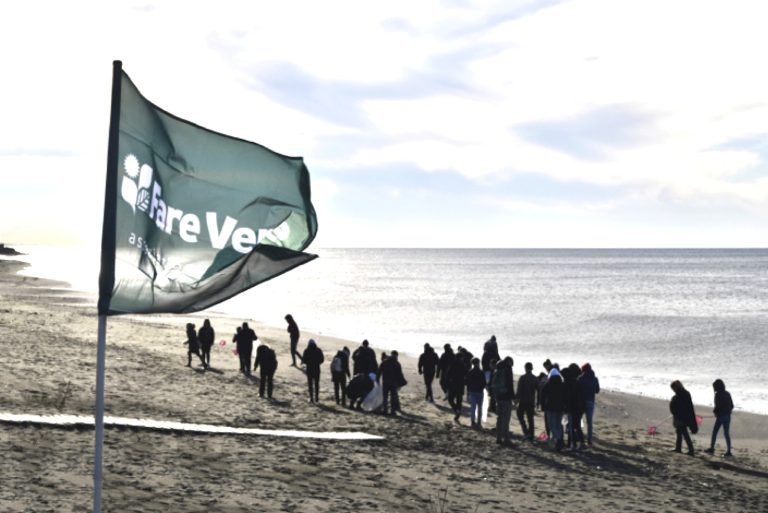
77, 420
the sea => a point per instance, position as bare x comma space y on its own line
640, 317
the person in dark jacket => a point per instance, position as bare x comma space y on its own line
245, 339
206, 335
267, 361
722, 411
527, 398
490, 359
454, 381
358, 389
364, 360
684, 416
590, 387
339, 375
293, 335
392, 379
553, 404
313, 357
476, 384
446, 359
574, 406
193, 346
503, 384
428, 367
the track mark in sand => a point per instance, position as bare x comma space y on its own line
160, 425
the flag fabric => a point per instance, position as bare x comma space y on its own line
198, 216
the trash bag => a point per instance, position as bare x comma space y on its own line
374, 399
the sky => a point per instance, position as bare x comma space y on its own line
582, 123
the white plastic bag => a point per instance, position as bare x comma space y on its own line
374, 399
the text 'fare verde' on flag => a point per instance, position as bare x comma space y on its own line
198, 216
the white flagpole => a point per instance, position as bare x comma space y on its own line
99, 416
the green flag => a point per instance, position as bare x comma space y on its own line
194, 217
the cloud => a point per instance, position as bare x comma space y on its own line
593, 135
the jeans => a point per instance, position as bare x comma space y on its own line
555, 419
313, 380
428, 378
476, 407
725, 421
589, 410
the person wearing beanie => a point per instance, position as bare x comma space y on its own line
722, 411
553, 403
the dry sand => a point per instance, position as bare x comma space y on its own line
48, 340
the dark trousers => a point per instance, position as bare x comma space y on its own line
525, 410
207, 355
245, 360
313, 380
391, 398
265, 379
295, 351
189, 357
428, 378
682, 432
340, 388
575, 433
546, 424
454, 399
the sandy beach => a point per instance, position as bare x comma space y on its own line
425, 462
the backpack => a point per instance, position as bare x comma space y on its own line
336, 364
499, 383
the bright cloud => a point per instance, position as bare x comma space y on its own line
627, 123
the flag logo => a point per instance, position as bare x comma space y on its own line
136, 192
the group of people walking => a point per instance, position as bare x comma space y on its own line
565, 395
569, 393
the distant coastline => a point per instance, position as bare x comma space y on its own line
8, 251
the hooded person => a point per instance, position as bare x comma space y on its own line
313, 357
267, 361
503, 385
722, 411
553, 404
428, 362
683, 415
574, 406
206, 335
590, 387
455, 383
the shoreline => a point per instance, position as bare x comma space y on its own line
49, 339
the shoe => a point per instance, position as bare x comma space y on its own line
689, 453
711, 450
675, 450
728, 455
